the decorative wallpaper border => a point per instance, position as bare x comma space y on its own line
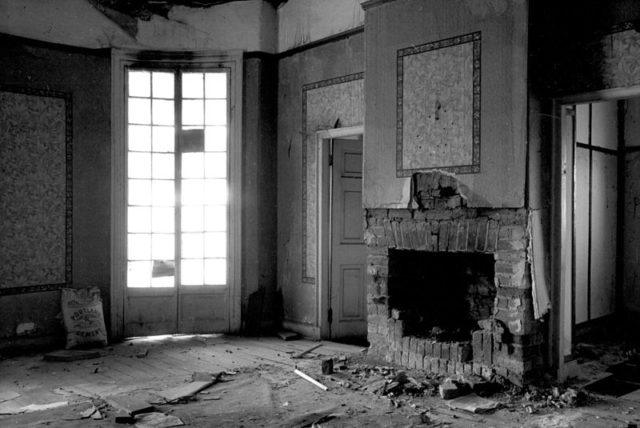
474, 167
307, 276
68, 233
12, 291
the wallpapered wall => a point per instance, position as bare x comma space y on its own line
324, 104
317, 87
35, 189
446, 89
32, 72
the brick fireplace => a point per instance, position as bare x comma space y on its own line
449, 289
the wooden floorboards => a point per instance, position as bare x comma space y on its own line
149, 362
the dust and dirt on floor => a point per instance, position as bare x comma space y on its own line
267, 387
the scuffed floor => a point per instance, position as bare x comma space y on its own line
258, 387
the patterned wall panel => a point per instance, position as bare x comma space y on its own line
621, 60
35, 190
438, 110
327, 104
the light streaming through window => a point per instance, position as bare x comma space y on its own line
177, 178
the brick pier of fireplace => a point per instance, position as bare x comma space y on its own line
506, 340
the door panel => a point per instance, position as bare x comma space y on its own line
352, 280
203, 311
150, 314
347, 288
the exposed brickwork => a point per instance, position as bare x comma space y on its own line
509, 344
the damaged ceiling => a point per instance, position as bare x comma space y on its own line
145, 9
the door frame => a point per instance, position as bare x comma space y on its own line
562, 235
324, 139
120, 59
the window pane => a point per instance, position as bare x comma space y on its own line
192, 192
139, 192
139, 246
139, 165
138, 219
216, 112
139, 138
163, 165
192, 112
162, 219
192, 165
215, 165
215, 244
193, 219
215, 218
215, 271
162, 85
162, 246
192, 85
216, 192
162, 193
162, 281
163, 137
215, 138
193, 245
139, 83
139, 274
139, 111
215, 85
192, 272
163, 112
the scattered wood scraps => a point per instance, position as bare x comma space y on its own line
306, 351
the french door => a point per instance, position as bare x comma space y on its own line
177, 181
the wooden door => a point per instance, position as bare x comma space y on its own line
347, 287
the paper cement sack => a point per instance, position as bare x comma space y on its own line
83, 317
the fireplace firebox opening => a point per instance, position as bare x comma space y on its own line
441, 296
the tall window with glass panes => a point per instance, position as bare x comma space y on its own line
177, 177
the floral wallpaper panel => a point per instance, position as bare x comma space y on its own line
34, 189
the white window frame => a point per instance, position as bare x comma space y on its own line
121, 59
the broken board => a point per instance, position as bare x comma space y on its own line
71, 355
184, 391
288, 335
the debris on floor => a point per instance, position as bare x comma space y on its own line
129, 405
310, 379
288, 335
199, 382
266, 391
306, 351
34, 408
327, 366
473, 403
68, 355
157, 420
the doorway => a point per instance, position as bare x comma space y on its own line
599, 238
176, 171
342, 250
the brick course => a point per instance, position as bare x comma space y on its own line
501, 232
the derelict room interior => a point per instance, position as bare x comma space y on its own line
320, 213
